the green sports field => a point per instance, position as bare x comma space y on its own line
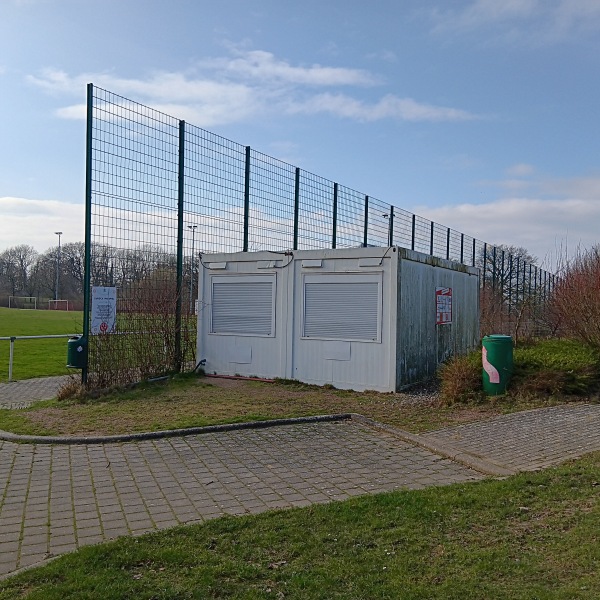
36, 358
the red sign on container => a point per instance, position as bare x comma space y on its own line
443, 305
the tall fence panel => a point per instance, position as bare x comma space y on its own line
159, 191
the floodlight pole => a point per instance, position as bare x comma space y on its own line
58, 233
193, 229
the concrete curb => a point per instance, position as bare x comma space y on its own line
167, 433
477, 463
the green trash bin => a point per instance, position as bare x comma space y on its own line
76, 352
497, 360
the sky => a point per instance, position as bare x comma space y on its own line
481, 115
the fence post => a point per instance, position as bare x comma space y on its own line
431, 238
517, 281
474, 246
88, 225
484, 263
448, 244
391, 227
412, 232
494, 269
335, 208
510, 281
10, 358
462, 247
246, 199
366, 226
296, 207
180, 210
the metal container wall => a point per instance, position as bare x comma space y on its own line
422, 343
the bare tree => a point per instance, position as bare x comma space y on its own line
15, 269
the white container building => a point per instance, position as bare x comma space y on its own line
358, 318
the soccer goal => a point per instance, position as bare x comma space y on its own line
58, 305
25, 302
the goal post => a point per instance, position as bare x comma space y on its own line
58, 305
24, 302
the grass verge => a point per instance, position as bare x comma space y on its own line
36, 358
196, 402
552, 368
528, 536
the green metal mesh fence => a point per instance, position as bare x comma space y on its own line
160, 191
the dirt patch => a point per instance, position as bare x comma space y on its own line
226, 383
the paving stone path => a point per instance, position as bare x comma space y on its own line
56, 498
529, 440
21, 394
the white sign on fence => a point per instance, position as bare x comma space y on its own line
104, 309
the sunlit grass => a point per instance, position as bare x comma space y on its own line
36, 358
529, 536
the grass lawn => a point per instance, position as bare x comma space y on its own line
36, 358
195, 402
529, 536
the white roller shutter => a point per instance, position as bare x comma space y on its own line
243, 305
342, 308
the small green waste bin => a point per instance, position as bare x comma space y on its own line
76, 352
497, 360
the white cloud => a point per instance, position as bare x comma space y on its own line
389, 107
483, 12
75, 111
530, 21
33, 222
384, 55
259, 65
244, 86
520, 170
547, 228
585, 188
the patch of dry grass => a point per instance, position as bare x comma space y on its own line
461, 380
200, 402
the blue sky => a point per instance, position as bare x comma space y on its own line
478, 114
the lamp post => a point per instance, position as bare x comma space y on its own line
58, 233
193, 229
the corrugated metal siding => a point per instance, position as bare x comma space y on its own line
242, 307
344, 311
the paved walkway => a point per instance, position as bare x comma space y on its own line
21, 394
55, 498
529, 440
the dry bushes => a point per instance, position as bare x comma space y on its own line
460, 380
146, 342
72, 388
576, 298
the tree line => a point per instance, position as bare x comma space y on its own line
26, 272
